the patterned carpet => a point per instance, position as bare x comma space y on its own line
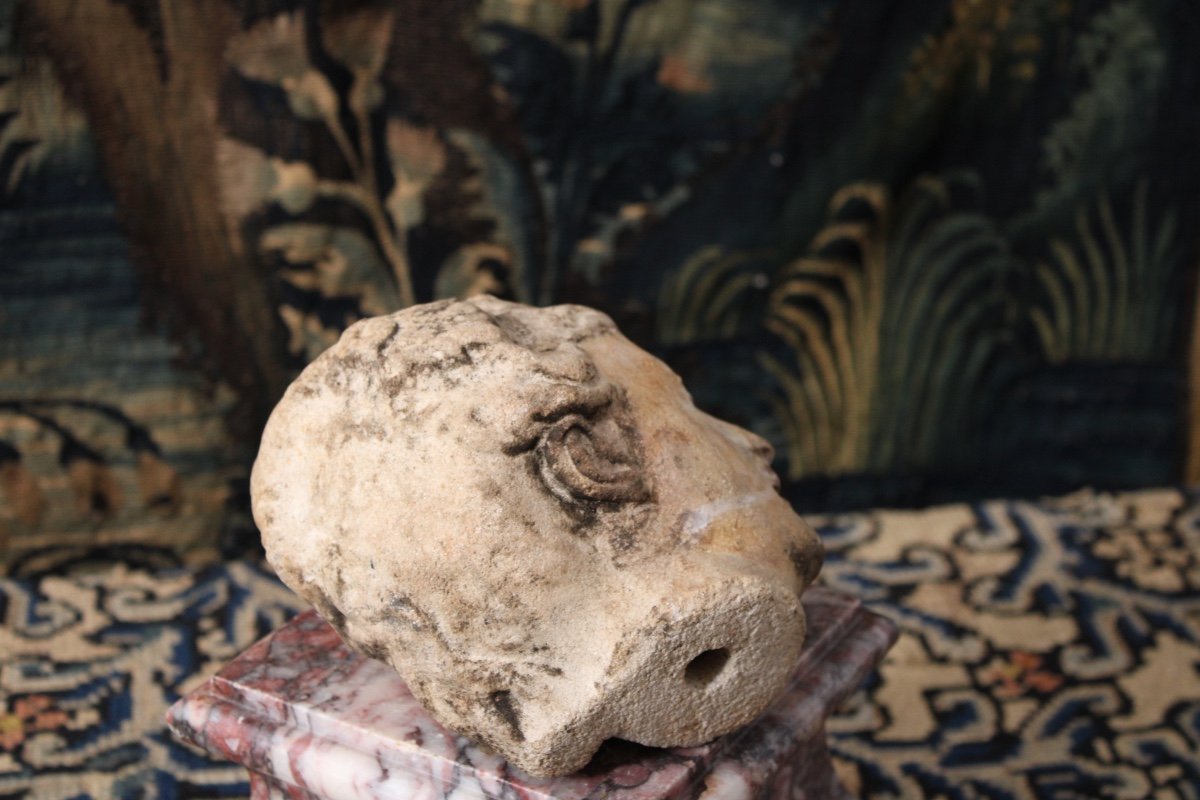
1049, 650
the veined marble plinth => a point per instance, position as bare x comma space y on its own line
311, 719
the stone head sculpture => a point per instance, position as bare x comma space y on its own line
526, 516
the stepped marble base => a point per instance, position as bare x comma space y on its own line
311, 719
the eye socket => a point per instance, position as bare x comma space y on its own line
582, 460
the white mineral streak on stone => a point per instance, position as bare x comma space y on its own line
696, 522
526, 516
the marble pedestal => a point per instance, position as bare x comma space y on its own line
311, 719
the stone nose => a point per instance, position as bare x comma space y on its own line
760, 531
708, 662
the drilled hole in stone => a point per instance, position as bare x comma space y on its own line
704, 668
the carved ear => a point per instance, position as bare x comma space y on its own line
582, 460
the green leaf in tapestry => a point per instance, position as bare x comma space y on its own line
1120, 64
36, 120
359, 40
417, 154
890, 320
623, 101
275, 51
1106, 290
711, 297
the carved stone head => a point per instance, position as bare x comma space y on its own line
525, 515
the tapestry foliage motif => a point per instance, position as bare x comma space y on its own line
929, 250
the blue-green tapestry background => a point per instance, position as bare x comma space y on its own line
929, 249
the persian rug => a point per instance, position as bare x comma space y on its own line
1049, 650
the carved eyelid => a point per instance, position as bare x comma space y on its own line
585, 401
582, 450
577, 464
582, 400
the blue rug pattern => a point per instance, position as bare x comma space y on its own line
1049, 650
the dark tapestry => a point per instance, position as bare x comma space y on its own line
930, 250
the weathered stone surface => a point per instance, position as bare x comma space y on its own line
526, 516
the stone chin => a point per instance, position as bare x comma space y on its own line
527, 517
